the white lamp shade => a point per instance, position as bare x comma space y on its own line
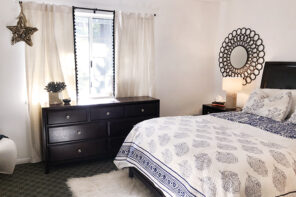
232, 84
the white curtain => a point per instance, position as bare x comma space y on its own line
134, 54
50, 59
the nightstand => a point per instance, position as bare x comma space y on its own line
209, 108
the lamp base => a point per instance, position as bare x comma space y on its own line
230, 100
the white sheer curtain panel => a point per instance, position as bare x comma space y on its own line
50, 59
134, 54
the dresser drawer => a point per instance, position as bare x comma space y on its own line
106, 112
121, 128
141, 110
80, 132
67, 116
78, 150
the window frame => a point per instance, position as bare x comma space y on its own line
75, 50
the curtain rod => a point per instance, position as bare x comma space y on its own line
95, 9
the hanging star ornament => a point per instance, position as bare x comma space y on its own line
21, 32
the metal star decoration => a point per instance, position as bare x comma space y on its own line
21, 32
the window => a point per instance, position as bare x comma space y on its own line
94, 53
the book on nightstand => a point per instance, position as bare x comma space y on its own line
219, 104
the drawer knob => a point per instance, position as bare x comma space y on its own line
142, 110
68, 117
79, 132
108, 113
79, 150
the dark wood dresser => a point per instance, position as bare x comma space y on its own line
80, 132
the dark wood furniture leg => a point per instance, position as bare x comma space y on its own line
130, 173
46, 168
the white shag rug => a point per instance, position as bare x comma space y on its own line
112, 184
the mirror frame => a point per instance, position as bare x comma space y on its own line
251, 41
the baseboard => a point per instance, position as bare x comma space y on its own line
23, 160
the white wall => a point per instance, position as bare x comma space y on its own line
184, 59
184, 56
13, 109
273, 20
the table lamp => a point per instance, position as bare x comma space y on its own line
231, 85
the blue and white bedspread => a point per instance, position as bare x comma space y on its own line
219, 155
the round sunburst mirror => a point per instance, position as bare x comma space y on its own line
242, 55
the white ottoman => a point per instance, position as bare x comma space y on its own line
8, 155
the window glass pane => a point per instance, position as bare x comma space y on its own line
82, 54
102, 78
102, 58
94, 53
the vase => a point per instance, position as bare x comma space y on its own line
55, 98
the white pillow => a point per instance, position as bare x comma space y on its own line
276, 107
271, 92
253, 101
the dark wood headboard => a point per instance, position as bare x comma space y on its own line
279, 75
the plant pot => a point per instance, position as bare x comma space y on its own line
55, 98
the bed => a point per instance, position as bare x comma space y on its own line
226, 154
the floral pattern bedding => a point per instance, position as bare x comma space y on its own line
210, 156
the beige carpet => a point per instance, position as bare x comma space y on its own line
113, 184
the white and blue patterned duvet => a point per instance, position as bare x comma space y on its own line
226, 154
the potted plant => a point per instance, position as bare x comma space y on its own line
54, 90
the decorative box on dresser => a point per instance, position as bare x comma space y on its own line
81, 132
